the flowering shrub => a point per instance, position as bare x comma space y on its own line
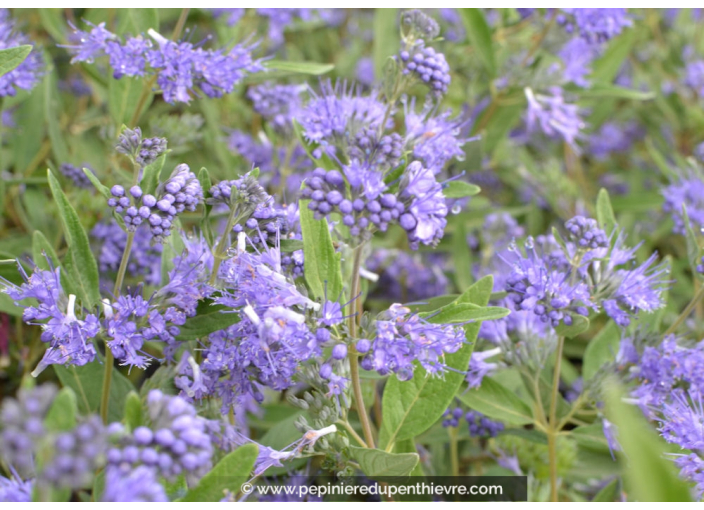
243, 245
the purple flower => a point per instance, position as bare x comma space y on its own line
177, 442
536, 283
276, 103
280, 18
614, 139
233, 15
26, 75
478, 368
145, 258
142, 151
598, 25
23, 426
426, 65
365, 71
408, 277
577, 55
140, 484
333, 113
181, 69
554, 117
481, 426
77, 454
67, 335
187, 284
425, 219
76, 175
694, 76
686, 189
14, 490
402, 337
435, 138
585, 232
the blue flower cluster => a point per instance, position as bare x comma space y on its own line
479, 425
181, 69
67, 335
585, 232
181, 192
142, 151
269, 343
145, 258
177, 442
402, 338
26, 75
76, 175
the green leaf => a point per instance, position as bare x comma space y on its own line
10, 58
290, 245
321, 263
79, 259
479, 34
214, 318
599, 91
87, 383
591, 437
602, 349
648, 476
579, 325
463, 312
62, 413
386, 39
137, 21
605, 69
150, 177
124, 98
498, 402
133, 411
604, 212
461, 255
41, 247
228, 474
51, 116
104, 190
380, 463
409, 446
412, 407
171, 249
54, 23
312, 68
460, 189
608, 493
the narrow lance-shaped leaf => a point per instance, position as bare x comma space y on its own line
83, 266
312, 68
649, 476
322, 264
479, 34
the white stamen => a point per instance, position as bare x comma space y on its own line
241, 242
249, 312
70, 309
364, 273
107, 309
157, 37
